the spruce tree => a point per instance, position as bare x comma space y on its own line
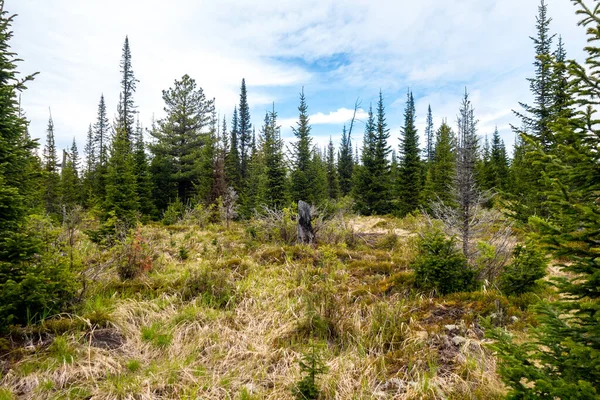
206, 161
561, 357
345, 164
410, 183
498, 163
318, 177
244, 132
142, 174
301, 188
381, 164
101, 142
126, 109
29, 286
87, 178
70, 184
362, 186
332, 173
121, 188
275, 190
232, 162
429, 136
443, 165
536, 117
101, 133
51, 175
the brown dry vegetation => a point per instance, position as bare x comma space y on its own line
231, 319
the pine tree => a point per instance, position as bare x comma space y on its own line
561, 358
121, 189
180, 138
410, 161
51, 176
244, 132
232, 162
143, 178
126, 109
332, 173
345, 164
302, 155
429, 136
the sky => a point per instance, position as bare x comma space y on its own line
338, 51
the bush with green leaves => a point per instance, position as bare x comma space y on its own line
441, 266
527, 267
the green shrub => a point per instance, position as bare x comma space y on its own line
312, 365
174, 212
527, 266
441, 266
42, 284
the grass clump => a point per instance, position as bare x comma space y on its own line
156, 335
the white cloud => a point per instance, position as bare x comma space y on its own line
434, 47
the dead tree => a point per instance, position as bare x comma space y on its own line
306, 233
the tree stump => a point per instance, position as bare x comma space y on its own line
306, 233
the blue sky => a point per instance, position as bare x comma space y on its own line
339, 51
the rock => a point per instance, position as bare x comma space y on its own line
458, 340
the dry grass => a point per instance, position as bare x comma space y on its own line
232, 320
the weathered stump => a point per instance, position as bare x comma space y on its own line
306, 233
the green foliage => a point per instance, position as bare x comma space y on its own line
441, 266
372, 186
275, 179
181, 137
410, 184
174, 212
36, 287
121, 187
303, 176
311, 365
527, 266
345, 164
156, 335
561, 356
